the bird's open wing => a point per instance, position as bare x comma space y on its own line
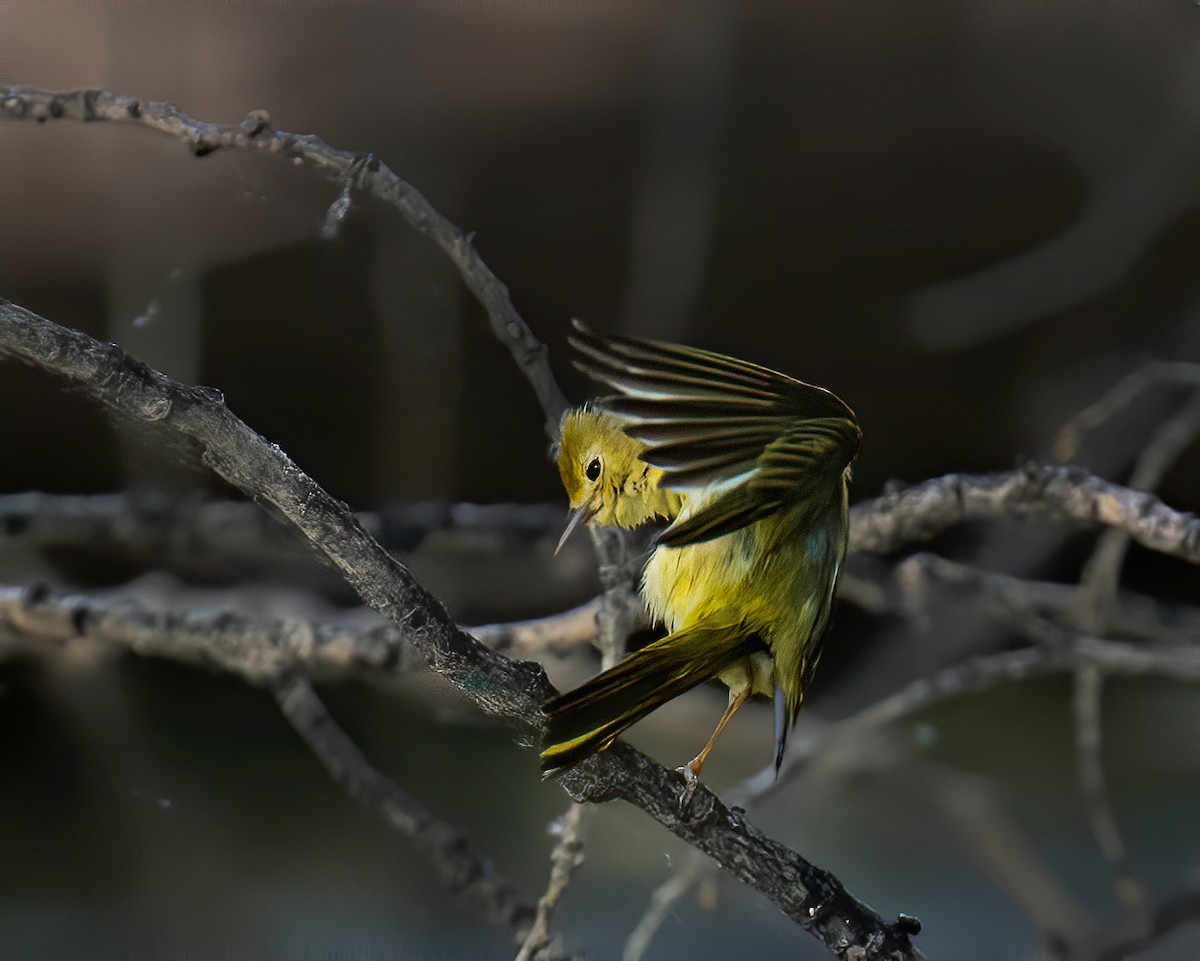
761, 440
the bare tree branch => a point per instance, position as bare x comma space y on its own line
514, 690
242, 457
1089, 741
556, 634
616, 613
1163, 920
1180, 662
811, 897
564, 859
510, 689
272, 654
1135, 616
255, 649
662, 902
882, 525
371, 174
1101, 575
924, 510
236, 540
465, 874
1120, 396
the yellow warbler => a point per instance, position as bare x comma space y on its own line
751, 468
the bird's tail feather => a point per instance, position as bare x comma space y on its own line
587, 719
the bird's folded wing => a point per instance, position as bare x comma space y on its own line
757, 440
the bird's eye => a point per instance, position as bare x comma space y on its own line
593, 469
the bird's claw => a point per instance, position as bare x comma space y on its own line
691, 780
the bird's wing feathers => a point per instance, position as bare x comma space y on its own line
764, 439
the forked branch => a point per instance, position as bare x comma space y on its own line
513, 690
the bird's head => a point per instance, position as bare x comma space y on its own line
606, 481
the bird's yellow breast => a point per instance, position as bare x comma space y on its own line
769, 576
683, 585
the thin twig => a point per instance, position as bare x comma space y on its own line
662, 902
1101, 574
1120, 396
614, 615
1088, 688
467, 875
564, 859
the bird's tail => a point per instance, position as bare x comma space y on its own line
587, 719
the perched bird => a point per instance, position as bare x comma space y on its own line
751, 468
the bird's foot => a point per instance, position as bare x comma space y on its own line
691, 780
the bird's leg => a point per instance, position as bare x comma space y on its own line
691, 770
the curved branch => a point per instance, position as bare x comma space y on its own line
467, 875
924, 510
514, 690
1101, 575
341, 166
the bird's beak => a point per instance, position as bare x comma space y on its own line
581, 515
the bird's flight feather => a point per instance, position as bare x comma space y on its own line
706, 419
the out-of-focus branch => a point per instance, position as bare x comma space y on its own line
1101, 574
510, 689
466, 874
1135, 616
1097, 606
258, 650
235, 540
341, 166
1014, 600
1120, 396
882, 525
994, 840
564, 859
556, 634
263, 471
274, 654
662, 902
1089, 742
1180, 662
616, 612
924, 510
1164, 919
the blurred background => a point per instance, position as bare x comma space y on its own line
969, 219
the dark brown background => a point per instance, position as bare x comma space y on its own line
968, 218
